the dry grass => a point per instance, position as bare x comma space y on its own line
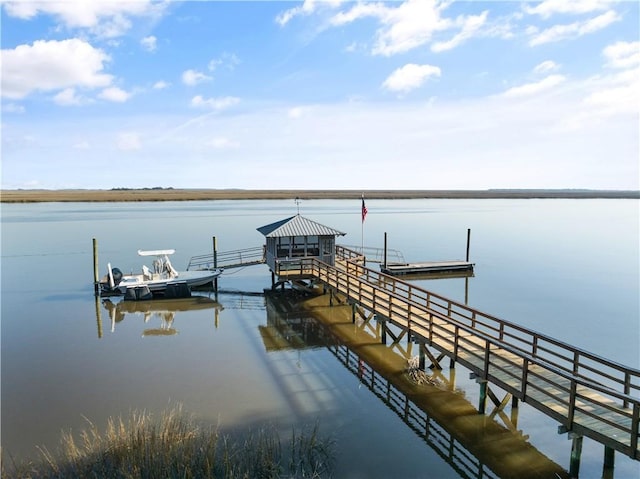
175, 446
170, 194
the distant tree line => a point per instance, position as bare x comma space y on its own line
142, 189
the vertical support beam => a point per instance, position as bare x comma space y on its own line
421, 350
576, 452
482, 403
383, 329
514, 411
96, 281
353, 313
609, 460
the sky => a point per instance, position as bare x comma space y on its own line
415, 94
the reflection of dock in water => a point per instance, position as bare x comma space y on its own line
474, 445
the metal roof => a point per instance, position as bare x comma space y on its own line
297, 226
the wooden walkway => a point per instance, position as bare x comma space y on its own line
588, 395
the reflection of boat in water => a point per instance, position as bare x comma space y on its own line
164, 309
163, 280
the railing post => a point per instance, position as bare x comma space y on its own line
572, 404
635, 421
455, 343
627, 388
525, 374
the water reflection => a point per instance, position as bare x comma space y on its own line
160, 313
473, 445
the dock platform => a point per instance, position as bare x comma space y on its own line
396, 269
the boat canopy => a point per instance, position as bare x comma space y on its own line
158, 252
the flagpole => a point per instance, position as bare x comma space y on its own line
363, 214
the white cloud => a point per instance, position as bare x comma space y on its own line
107, 19
161, 85
114, 94
410, 25
52, 65
573, 30
413, 23
216, 104
68, 97
469, 27
307, 8
546, 66
228, 60
404, 25
548, 8
193, 77
149, 43
623, 54
410, 77
534, 88
128, 142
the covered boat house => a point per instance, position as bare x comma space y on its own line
293, 240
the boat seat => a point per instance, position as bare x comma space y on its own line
146, 272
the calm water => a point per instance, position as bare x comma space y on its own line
567, 268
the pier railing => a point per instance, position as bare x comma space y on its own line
585, 393
569, 358
227, 259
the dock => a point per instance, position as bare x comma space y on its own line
427, 267
589, 396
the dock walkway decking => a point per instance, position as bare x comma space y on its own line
588, 395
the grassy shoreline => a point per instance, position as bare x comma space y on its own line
170, 194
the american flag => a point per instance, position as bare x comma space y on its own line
364, 209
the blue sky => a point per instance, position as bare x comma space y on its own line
416, 94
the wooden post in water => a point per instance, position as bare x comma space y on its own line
215, 263
482, 403
96, 281
609, 461
468, 242
576, 452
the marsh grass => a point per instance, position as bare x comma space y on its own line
175, 446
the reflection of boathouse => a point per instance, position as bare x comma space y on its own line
292, 240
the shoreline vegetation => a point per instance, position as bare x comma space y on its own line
175, 445
177, 194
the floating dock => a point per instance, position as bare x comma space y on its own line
428, 267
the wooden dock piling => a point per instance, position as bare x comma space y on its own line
96, 280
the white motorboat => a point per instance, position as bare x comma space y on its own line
161, 280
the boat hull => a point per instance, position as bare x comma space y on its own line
158, 286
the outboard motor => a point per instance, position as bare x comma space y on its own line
117, 276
